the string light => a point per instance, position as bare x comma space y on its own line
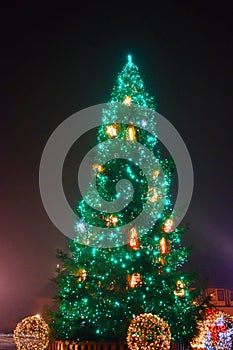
147, 332
129, 59
32, 333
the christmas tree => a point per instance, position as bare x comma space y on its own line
118, 267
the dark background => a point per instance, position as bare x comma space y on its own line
58, 59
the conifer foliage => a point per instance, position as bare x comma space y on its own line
101, 289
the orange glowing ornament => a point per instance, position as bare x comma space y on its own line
131, 133
164, 246
111, 220
168, 226
155, 174
179, 288
135, 280
112, 130
133, 238
127, 101
152, 195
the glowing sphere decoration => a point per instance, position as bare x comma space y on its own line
215, 332
32, 333
148, 331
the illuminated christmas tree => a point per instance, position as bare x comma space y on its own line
108, 279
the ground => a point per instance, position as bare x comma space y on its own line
7, 342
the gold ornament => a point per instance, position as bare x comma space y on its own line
131, 133
155, 174
111, 220
81, 274
112, 130
152, 195
98, 167
127, 101
179, 288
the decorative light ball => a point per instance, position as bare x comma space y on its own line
32, 333
148, 331
215, 332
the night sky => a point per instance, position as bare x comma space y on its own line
57, 60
